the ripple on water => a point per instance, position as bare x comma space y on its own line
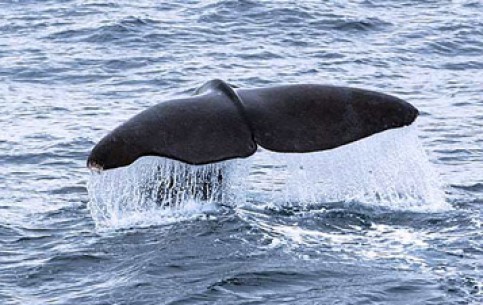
70, 71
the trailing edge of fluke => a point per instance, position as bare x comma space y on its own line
221, 122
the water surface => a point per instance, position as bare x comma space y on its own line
70, 71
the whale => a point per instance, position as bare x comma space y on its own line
222, 122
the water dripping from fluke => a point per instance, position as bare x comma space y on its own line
156, 190
389, 169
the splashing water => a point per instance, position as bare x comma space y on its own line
387, 169
159, 190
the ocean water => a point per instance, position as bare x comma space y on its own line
393, 219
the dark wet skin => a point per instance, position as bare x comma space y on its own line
222, 123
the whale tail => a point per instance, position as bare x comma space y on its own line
221, 123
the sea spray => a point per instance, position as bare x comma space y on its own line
156, 190
388, 169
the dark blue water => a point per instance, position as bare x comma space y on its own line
70, 71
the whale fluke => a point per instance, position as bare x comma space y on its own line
220, 123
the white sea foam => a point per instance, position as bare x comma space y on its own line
388, 169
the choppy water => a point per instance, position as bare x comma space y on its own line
72, 70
